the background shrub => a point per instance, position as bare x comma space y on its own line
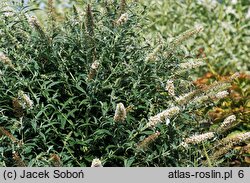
225, 39
89, 84
224, 42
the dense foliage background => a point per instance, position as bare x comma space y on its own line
224, 41
119, 81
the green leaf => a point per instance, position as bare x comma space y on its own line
129, 162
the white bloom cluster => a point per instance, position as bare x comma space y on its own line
164, 115
185, 98
235, 139
170, 88
218, 87
26, 102
183, 144
33, 21
196, 139
95, 65
8, 11
3, 57
186, 35
152, 56
120, 112
93, 69
228, 121
241, 137
5, 60
122, 19
191, 64
235, 76
96, 163
200, 99
221, 94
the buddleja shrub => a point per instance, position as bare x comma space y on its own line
88, 86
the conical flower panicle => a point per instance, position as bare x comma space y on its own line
152, 56
199, 99
226, 144
120, 113
220, 152
170, 88
236, 139
28, 102
227, 124
122, 19
93, 70
203, 97
196, 139
145, 143
215, 91
51, 15
89, 21
190, 65
56, 160
186, 35
20, 103
89, 26
221, 85
122, 6
6, 10
16, 157
221, 94
96, 163
17, 108
25, 101
164, 115
76, 14
185, 98
5, 60
7, 134
235, 76
34, 23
